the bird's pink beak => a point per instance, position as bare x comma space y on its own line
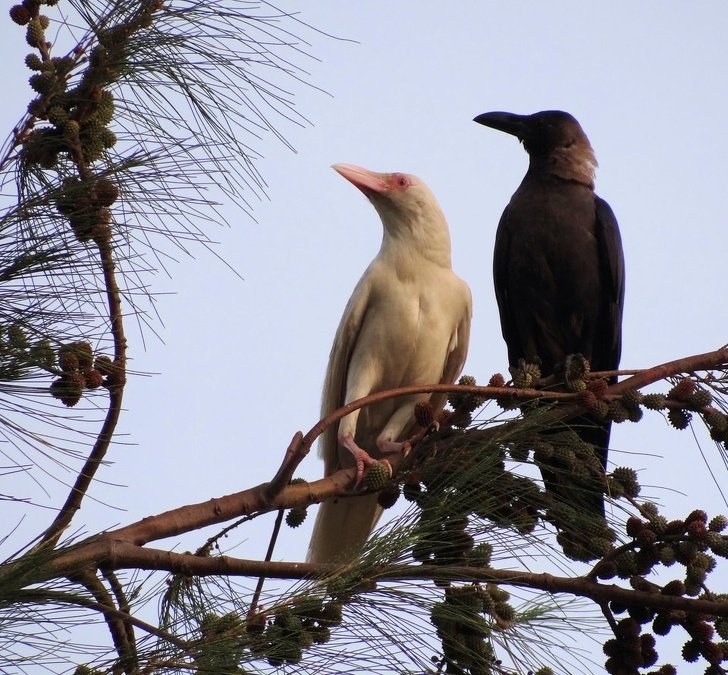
367, 181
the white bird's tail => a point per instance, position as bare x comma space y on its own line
341, 528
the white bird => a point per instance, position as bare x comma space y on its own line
406, 323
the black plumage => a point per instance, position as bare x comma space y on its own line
558, 263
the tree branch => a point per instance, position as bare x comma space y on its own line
295, 454
258, 499
124, 548
114, 554
689, 364
116, 392
121, 635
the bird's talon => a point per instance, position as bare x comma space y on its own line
363, 463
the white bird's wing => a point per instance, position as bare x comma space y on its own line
459, 342
334, 390
342, 525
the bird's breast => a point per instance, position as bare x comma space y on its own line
552, 235
415, 318
550, 294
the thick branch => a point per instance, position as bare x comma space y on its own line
579, 586
123, 555
221, 509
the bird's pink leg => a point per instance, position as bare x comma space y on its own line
361, 457
394, 447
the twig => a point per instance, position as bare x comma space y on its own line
125, 647
212, 541
121, 601
268, 556
608, 616
688, 364
116, 392
488, 392
293, 457
291, 460
43, 595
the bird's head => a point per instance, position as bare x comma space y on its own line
412, 218
407, 207
553, 139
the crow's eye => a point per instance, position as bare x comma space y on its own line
400, 181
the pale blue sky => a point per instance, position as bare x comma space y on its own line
243, 362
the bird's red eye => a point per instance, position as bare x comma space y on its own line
400, 181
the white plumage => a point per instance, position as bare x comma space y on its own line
406, 323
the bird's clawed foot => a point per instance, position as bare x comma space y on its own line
362, 459
394, 447
525, 373
576, 370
